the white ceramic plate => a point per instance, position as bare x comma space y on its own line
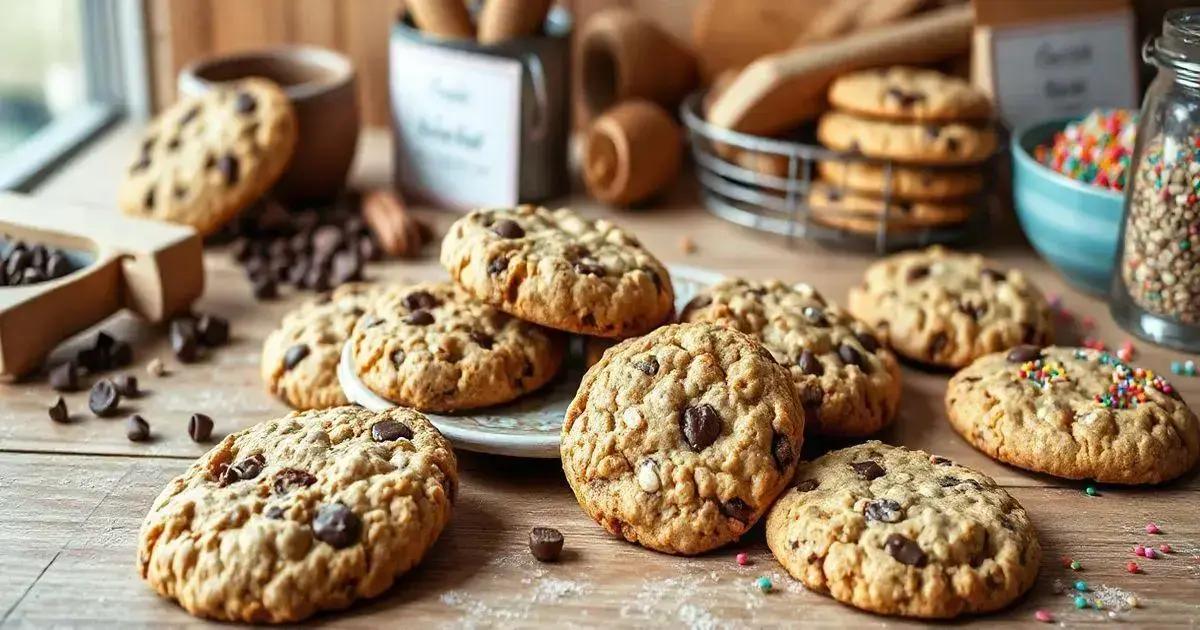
529, 426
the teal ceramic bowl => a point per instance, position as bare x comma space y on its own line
1071, 224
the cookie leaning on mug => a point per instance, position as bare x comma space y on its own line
205, 159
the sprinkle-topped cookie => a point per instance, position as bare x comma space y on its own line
1076, 413
902, 532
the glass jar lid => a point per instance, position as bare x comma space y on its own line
1179, 45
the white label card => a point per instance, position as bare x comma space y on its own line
458, 124
1062, 69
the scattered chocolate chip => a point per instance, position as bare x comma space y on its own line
290, 478
336, 525
808, 485
245, 469
127, 384
420, 300
736, 508
371, 321
317, 279
104, 398
507, 228
182, 335
294, 355
585, 268
419, 318
244, 103
497, 265
809, 364
545, 543
938, 460
137, 429
64, 377
648, 366
228, 166
347, 266
869, 342
199, 427
884, 511
905, 550
953, 144
58, 411
482, 339
701, 426
273, 512
390, 431
213, 330
850, 356
1021, 354
917, 272
868, 469
781, 448
190, 115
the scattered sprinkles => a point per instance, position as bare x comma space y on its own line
1151, 528
764, 584
1095, 150
1076, 565
1125, 352
1091, 491
743, 559
1043, 373
1043, 615
1129, 385
1183, 368
1081, 585
1150, 553
1133, 567
1139, 550
1081, 601
1165, 548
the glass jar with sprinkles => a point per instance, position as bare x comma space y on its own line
1156, 285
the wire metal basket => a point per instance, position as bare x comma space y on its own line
779, 203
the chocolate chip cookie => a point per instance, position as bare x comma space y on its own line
902, 532
953, 143
293, 516
204, 159
299, 359
861, 213
1074, 413
433, 347
908, 94
907, 183
681, 439
559, 269
945, 308
847, 382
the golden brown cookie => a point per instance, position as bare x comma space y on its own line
1074, 413
204, 159
559, 269
298, 515
907, 94
679, 440
862, 213
946, 308
435, 348
953, 143
848, 383
906, 183
901, 532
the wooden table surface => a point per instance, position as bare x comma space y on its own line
73, 496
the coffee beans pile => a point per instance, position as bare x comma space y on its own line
309, 250
1159, 263
23, 264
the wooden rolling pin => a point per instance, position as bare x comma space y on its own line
782, 90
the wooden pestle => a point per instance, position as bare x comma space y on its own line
442, 18
631, 152
501, 20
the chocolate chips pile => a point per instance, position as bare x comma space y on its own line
106, 353
24, 264
309, 249
190, 334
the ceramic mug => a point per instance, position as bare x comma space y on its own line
320, 84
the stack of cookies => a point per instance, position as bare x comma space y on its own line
522, 278
932, 128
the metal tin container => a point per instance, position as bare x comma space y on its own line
481, 125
